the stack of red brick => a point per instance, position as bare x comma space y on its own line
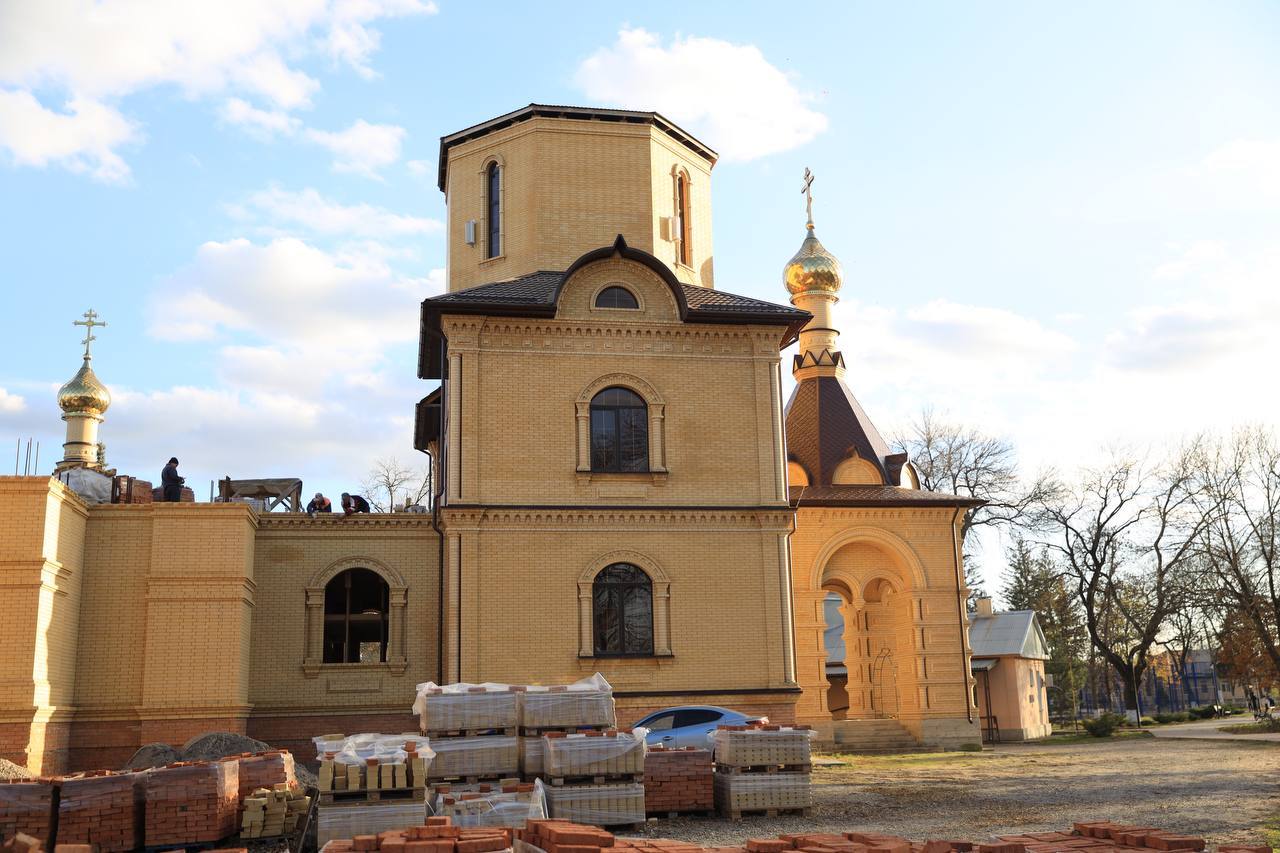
26, 806
438, 835
102, 809
678, 780
266, 770
192, 802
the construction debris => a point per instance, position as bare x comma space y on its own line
26, 807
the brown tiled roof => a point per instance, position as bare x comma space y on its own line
536, 288
874, 496
825, 424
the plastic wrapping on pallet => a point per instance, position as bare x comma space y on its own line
462, 706
531, 754
599, 805
506, 808
742, 746
594, 753
26, 806
737, 792
385, 749
188, 803
588, 702
103, 809
486, 755
347, 820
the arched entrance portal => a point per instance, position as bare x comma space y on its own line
869, 643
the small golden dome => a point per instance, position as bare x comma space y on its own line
812, 268
84, 394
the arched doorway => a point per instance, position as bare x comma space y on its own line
834, 606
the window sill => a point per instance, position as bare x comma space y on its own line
656, 477
493, 260
657, 656
395, 666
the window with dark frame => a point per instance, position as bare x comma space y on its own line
356, 603
682, 214
622, 611
616, 296
493, 193
619, 432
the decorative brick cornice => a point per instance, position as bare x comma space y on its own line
607, 518
336, 523
596, 336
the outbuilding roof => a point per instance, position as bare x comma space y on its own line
1013, 633
855, 496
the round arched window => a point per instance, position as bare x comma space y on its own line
619, 432
616, 296
622, 611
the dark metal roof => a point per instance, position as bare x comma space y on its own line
826, 423
536, 294
579, 113
855, 496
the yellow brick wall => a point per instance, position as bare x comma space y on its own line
570, 186
849, 550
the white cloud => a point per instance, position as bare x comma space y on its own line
420, 168
81, 139
319, 215
11, 403
729, 94
362, 148
92, 52
260, 124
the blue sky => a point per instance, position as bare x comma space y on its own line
1058, 222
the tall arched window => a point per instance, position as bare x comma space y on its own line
493, 194
619, 431
683, 252
622, 611
356, 603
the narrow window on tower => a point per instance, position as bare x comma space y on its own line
682, 220
493, 195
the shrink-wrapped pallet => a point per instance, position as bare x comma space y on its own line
531, 753
103, 809
744, 792
466, 707
598, 805
607, 753
754, 746
487, 756
588, 702
347, 820
192, 802
26, 806
509, 807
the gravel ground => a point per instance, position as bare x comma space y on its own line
1224, 791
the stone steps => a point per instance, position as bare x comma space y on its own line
866, 737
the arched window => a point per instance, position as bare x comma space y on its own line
615, 296
356, 604
619, 431
493, 194
622, 611
683, 252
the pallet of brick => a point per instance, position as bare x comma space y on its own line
770, 794
460, 710
103, 809
550, 835
272, 812
474, 758
599, 805
344, 821
613, 754
373, 781
511, 806
192, 802
678, 781
266, 770
26, 806
763, 746
584, 704
531, 756
437, 835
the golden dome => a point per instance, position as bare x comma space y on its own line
84, 394
812, 269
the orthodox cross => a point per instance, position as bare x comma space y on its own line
90, 320
808, 194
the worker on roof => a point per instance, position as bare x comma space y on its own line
319, 504
352, 504
170, 482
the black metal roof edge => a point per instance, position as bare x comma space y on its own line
640, 256
525, 113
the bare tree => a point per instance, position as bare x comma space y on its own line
1241, 542
391, 483
1125, 536
962, 460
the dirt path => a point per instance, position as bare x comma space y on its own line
1225, 791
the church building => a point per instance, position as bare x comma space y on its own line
621, 488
